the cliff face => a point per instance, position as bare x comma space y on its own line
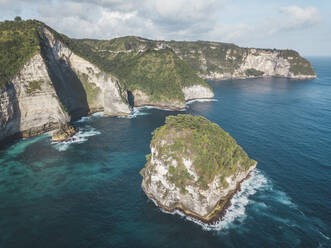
189, 92
54, 87
216, 60
102, 90
159, 78
197, 92
195, 167
29, 103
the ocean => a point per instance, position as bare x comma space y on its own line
87, 193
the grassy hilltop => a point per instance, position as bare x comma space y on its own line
213, 151
19, 41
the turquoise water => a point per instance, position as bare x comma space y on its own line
86, 193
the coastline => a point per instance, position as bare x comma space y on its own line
215, 215
298, 77
171, 107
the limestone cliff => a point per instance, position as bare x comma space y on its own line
194, 167
29, 104
159, 78
103, 91
216, 60
197, 92
53, 87
190, 93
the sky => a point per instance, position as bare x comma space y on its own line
303, 25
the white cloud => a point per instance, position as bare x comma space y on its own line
300, 17
285, 22
165, 19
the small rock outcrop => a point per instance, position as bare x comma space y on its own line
63, 133
195, 167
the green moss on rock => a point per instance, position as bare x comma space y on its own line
34, 86
212, 151
253, 72
91, 89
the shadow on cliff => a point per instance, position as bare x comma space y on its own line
68, 87
130, 98
8, 130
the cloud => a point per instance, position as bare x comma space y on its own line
285, 21
298, 18
218, 20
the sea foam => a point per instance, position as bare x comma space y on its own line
202, 100
237, 209
81, 136
136, 111
90, 117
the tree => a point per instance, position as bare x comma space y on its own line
18, 19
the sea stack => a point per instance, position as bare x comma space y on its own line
195, 167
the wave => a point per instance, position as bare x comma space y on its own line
237, 209
202, 100
80, 137
239, 202
92, 116
136, 111
160, 108
236, 213
324, 236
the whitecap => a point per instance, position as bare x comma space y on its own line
202, 100
160, 108
87, 118
81, 136
136, 111
283, 198
324, 236
239, 202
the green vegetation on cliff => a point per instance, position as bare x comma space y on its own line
34, 86
207, 57
254, 72
19, 41
203, 57
213, 151
299, 65
158, 73
169, 64
90, 88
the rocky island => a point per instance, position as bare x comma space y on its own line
195, 167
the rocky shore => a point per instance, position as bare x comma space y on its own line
215, 215
63, 133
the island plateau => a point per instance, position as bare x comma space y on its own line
194, 167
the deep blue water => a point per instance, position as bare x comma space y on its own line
87, 193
